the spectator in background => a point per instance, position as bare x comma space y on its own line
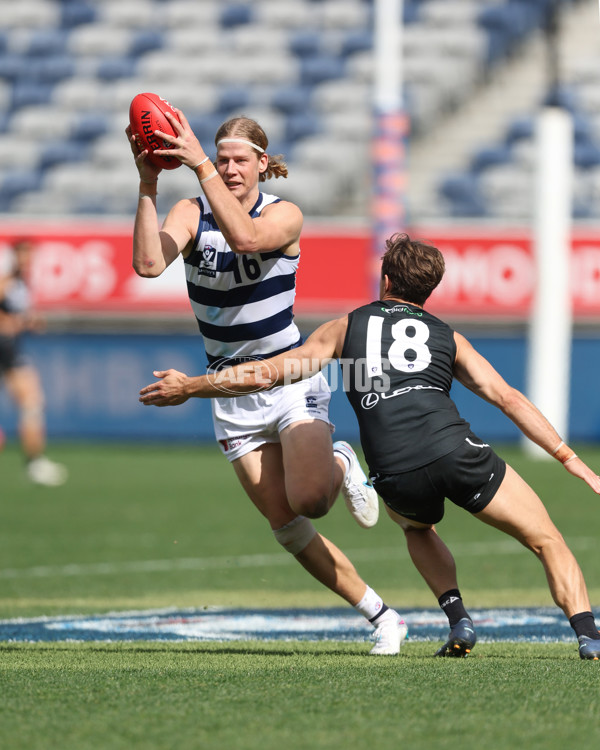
21, 378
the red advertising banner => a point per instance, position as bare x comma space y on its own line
85, 268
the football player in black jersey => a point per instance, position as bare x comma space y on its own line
21, 377
399, 362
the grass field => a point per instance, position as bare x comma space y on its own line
167, 526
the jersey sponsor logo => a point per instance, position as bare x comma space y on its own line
311, 402
207, 266
232, 443
370, 400
402, 309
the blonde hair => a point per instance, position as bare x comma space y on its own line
250, 130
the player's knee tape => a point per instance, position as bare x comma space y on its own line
296, 535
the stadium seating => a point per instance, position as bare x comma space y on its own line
303, 68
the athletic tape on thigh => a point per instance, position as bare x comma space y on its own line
296, 535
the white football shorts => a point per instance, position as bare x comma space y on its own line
244, 423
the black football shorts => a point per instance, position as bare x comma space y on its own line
10, 354
469, 477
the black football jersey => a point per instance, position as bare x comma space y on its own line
397, 368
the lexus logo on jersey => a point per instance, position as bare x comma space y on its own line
369, 400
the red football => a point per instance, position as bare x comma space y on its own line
147, 114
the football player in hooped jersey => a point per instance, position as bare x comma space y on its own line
241, 250
419, 450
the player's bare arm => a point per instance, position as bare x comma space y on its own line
478, 375
174, 388
154, 249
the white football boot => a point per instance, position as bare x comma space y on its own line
359, 494
42, 470
391, 630
389, 633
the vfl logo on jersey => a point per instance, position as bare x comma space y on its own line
207, 265
311, 402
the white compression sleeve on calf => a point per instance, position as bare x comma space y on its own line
295, 535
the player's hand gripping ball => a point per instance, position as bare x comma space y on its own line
147, 114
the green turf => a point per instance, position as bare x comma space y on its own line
124, 505
178, 509
270, 696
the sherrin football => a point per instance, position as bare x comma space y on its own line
147, 114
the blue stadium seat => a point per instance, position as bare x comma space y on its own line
411, 11
291, 99
586, 155
360, 40
89, 126
305, 43
75, 13
233, 98
205, 126
498, 23
315, 70
13, 66
48, 42
62, 152
489, 157
49, 69
521, 128
30, 93
16, 182
111, 69
463, 193
301, 125
146, 40
236, 15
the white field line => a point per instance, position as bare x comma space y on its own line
466, 549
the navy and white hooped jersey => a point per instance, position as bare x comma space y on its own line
243, 302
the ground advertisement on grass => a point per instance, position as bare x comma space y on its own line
222, 624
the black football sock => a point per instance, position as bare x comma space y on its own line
583, 623
452, 604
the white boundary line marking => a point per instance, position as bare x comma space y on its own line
468, 549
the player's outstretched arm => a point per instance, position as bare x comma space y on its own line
476, 373
173, 387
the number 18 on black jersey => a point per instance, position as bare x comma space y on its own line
397, 365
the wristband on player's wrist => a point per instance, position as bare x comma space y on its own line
200, 163
563, 453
